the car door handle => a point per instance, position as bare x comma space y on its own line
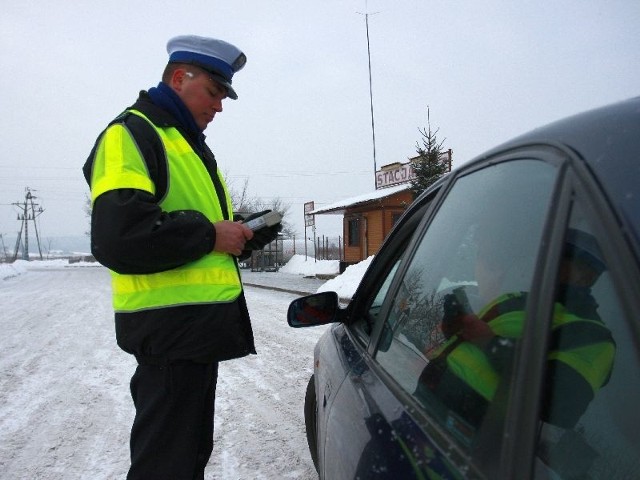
327, 393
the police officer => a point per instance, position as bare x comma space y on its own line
162, 222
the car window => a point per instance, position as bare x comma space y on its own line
363, 324
376, 305
455, 316
378, 282
591, 391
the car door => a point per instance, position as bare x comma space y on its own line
403, 421
350, 439
582, 423
454, 321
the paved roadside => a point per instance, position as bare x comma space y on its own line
283, 282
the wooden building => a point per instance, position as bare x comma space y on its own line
367, 220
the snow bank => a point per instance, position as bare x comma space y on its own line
345, 285
8, 270
309, 267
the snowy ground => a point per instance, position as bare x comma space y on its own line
65, 409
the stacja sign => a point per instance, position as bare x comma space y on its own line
394, 174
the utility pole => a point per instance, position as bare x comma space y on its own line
373, 127
28, 213
4, 249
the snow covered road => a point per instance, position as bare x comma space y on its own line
65, 409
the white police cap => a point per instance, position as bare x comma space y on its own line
219, 58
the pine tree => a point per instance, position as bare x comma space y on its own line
431, 162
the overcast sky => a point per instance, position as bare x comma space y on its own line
301, 129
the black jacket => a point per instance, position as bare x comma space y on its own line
131, 234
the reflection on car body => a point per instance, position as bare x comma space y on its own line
495, 334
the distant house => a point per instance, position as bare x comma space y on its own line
367, 220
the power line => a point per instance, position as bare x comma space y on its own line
299, 174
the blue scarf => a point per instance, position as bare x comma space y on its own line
164, 97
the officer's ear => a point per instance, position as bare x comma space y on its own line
179, 77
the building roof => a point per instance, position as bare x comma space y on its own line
340, 206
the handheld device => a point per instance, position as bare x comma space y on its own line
455, 307
269, 219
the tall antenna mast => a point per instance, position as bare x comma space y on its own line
373, 126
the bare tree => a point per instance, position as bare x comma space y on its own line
240, 199
87, 212
244, 203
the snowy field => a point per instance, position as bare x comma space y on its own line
65, 409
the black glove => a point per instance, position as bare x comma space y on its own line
245, 255
263, 236
455, 307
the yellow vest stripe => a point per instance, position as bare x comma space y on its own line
118, 163
593, 362
128, 284
470, 364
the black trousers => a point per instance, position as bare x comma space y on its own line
172, 433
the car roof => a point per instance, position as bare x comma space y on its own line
607, 140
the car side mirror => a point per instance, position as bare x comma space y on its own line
318, 309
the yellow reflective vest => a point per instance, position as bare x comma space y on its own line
118, 164
592, 361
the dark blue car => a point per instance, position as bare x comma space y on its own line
496, 334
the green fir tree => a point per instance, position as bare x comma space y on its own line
432, 161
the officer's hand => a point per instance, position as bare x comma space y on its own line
475, 330
231, 237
